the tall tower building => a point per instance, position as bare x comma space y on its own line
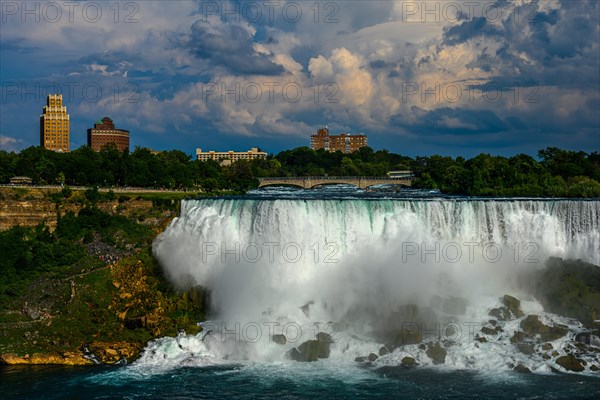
55, 125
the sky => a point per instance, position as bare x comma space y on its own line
417, 77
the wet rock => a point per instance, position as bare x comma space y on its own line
373, 357
513, 305
422, 347
581, 346
533, 326
481, 339
594, 368
109, 352
294, 354
570, 288
501, 313
324, 337
547, 346
525, 348
546, 356
279, 339
570, 363
522, 369
311, 350
437, 353
493, 322
583, 337
408, 361
383, 351
489, 331
359, 359
518, 337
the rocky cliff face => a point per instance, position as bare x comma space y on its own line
31, 207
26, 213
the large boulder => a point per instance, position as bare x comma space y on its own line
533, 326
570, 363
489, 331
513, 305
522, 369
437, 353
408, 361
279, 339
570, 288
500, 313
312, 350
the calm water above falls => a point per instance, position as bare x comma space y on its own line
355, 265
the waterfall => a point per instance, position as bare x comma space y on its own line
364, 263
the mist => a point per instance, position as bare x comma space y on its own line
371, 265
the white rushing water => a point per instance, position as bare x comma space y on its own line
359, 268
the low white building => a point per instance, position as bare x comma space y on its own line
229, 157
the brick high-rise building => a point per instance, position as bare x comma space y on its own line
104, 132
55, 125
343, 142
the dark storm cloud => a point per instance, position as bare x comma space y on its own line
16, 46
478, 26
452, 121
542, 34
231, 46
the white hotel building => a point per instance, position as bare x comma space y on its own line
229, 157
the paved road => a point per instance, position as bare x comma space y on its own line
116, 189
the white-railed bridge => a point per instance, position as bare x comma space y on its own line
308, 182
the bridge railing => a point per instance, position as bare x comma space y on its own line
335, 178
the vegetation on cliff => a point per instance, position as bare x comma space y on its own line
91, 282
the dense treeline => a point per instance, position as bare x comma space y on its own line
557, 173
28, 253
